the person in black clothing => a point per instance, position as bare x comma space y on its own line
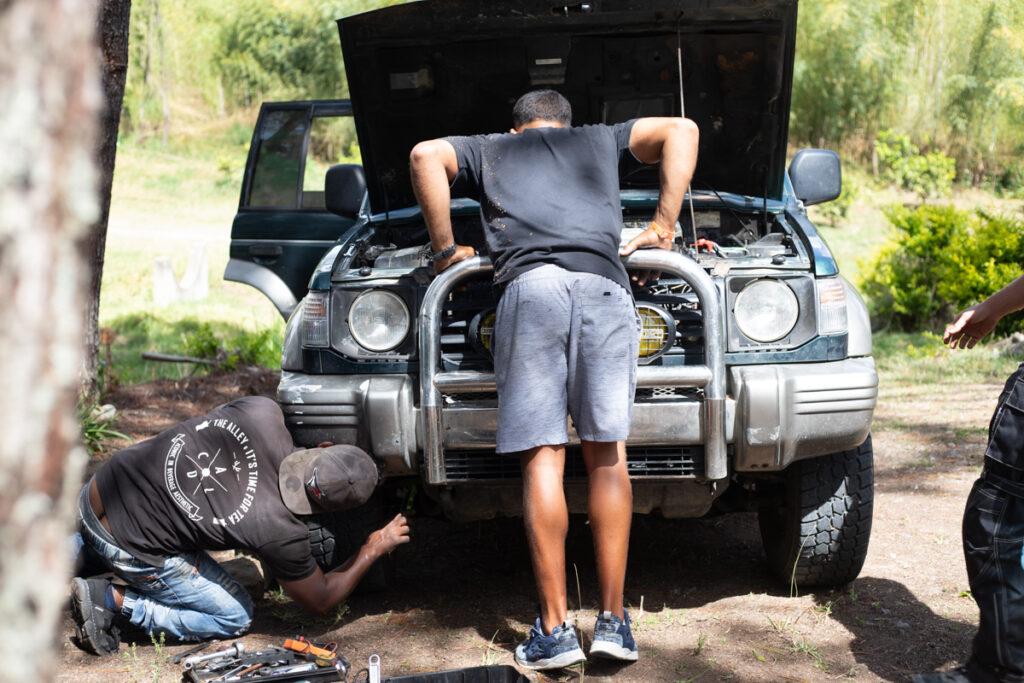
993, 525
231, 479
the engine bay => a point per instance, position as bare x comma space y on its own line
716, 238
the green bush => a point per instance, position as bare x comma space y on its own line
201, 342
925, 175
938, 261
246, 348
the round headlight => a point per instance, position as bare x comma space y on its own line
378, 320
766, 310
657, 331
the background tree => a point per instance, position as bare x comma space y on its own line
113, 35
49, 82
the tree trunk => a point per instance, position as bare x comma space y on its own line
113, 30
49, 82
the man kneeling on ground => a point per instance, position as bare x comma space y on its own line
231, 479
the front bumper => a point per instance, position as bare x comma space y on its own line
773, 415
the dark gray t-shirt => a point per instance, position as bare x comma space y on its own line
209, 483
548, 195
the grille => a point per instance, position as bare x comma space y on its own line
656, 394
642, 463
460, 352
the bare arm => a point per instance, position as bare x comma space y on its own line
968, 328
433, 165
319, 593
673, 142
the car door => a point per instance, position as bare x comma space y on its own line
282, 227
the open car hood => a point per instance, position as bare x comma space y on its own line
455, 67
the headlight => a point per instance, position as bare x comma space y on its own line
657, 331
766, 310
378, 320
315, 330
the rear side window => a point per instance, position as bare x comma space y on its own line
331, 141
283, 177
276, 173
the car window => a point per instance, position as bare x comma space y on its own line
331, 141
276, 172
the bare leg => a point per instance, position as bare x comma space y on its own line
546, 519
610, 507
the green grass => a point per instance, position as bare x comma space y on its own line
920, 358
163, 202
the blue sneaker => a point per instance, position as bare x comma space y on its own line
613, 639
559, 649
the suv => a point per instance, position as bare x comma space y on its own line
756, 385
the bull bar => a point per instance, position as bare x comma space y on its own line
710, 376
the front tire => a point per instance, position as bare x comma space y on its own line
819, 536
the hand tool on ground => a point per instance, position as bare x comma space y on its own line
325, 656
235, 650
191, 651
374, 669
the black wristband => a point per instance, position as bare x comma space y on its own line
447, 252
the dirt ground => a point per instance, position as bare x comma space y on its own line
704, 605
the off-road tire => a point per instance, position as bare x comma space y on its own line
819, 536
336, 536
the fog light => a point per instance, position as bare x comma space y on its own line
657, 331
481, 331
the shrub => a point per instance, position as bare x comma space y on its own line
247, 348
903, 164
938, 261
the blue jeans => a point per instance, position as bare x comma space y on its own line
190, 597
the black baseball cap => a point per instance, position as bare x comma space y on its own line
316, 480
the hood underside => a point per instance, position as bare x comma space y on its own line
455, 67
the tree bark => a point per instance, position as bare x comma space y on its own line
113, 36
49, 84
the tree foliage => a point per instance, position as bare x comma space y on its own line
947, 72
223, 56
925, 175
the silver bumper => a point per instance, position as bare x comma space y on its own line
775, 414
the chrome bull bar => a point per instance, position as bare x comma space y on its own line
710, 377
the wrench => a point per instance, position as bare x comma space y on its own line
235, 650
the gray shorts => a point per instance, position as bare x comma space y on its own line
564, 342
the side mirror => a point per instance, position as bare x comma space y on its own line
816, 175
344, 189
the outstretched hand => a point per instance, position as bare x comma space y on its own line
461, 254
393, 534
648, 239
968, 328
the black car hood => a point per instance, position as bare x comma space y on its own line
455, 67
